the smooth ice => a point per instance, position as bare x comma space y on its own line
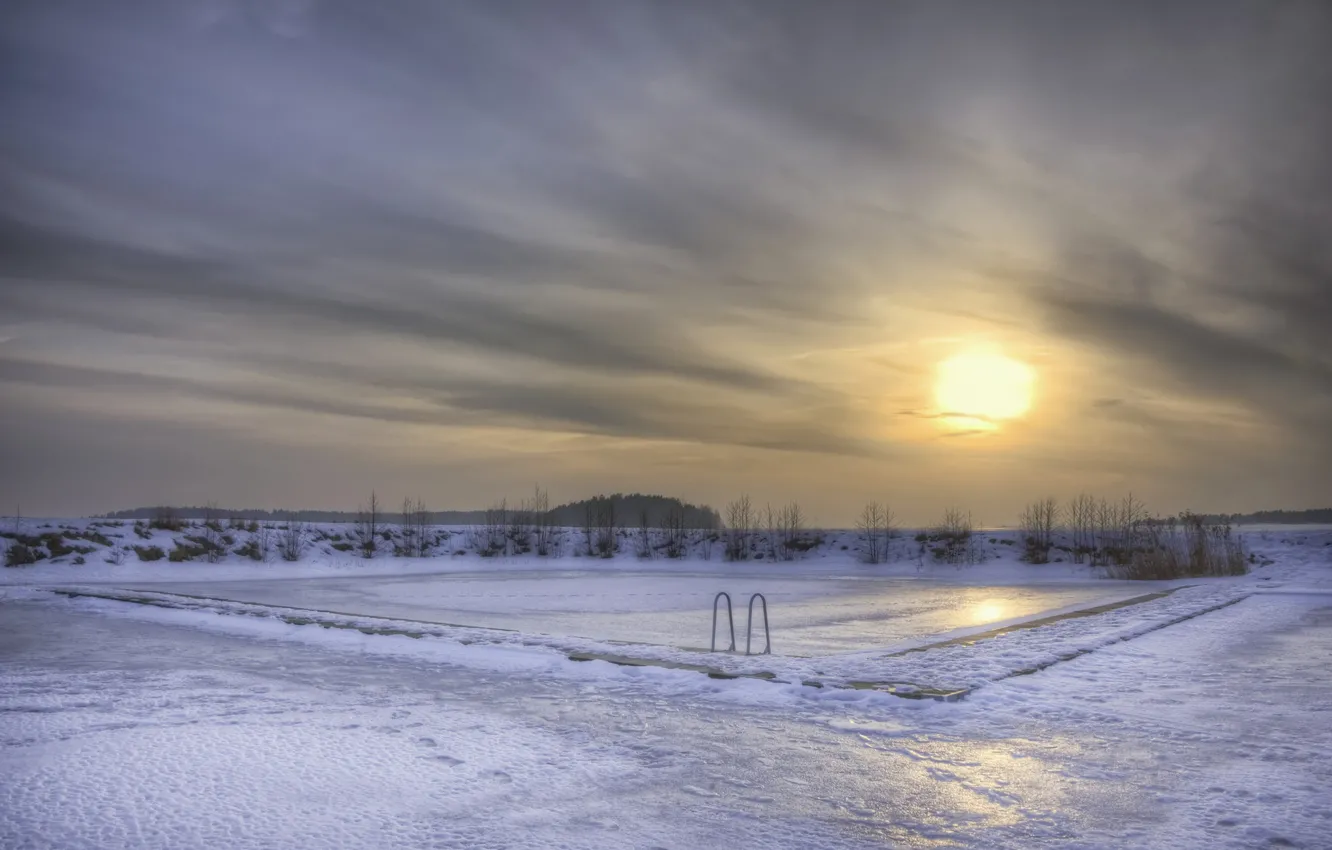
814, 615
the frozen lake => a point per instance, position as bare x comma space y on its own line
814, 615
118, 733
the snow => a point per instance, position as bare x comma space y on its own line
1197, 718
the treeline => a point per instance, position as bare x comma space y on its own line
1314, 516
262, 515
658, 509
639, 509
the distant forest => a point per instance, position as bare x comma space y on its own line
1320, 516
629, 511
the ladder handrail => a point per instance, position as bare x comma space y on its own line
749, 627
730, 616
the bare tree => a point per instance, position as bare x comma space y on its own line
1132, 516
707, 541
589, 526
1118, 530
261, 543
415, 529
643, 541
367, 526
607, 527
788, 531
291, 539
765, 532
676, 533
872, 530
1080, 516
518, 529
1103, 534
407, 547
211, 537
1038, 528
546, 535
739, 528
491, 538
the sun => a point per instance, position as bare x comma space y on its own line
983, 387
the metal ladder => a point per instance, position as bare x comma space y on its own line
749, 626
716, 599
749, 629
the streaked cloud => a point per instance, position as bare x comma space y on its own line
739, 235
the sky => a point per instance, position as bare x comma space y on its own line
277, 254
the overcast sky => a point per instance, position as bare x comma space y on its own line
278, 253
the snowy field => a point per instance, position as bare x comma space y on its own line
246, 709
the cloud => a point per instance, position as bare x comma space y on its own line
628, 220
589, 409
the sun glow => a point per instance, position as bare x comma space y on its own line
989, 611
982, 389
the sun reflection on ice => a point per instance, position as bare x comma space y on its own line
989, 611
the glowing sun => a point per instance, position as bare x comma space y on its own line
982, 387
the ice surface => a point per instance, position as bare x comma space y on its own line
814, 615
128, 726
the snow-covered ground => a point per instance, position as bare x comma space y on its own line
1201, 716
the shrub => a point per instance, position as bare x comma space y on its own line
166, 519
20, 555
150, 553
1187, 546
186, 551
291, 541
954, 539
91, 535
55, 544
259, 547
79, 561
805, 543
